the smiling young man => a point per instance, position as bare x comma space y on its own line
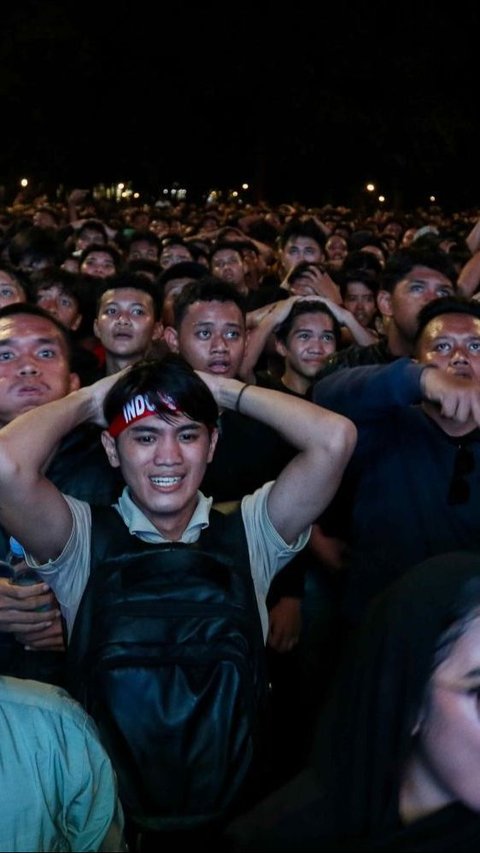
162, 434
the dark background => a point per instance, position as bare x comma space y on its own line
306, 104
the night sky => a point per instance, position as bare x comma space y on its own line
302, 108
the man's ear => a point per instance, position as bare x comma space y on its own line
74, 382
110, 447
157, 333
213, 444
170, 336
76, 323
384, 302
280, 347
95, 329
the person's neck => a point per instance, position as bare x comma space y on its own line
420, 793
114, 363
398, 345
450, 426
173, 525
295, 382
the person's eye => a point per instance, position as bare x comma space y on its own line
7, 291
293, 250
475, 346
416, 288
110, 312
47, 352
328, 338
303, 336
445, 291
188, 436
442, 346
138, 312
66, 302
203, 334
6, 356
147, 438
232, 335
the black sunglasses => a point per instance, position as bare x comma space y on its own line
459, 489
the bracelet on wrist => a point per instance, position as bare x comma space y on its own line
237, 404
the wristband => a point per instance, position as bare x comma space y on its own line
237, 404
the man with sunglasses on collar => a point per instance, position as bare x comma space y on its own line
412, 487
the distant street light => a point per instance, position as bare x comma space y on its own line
381, 198
24, 182
244, 186
432, 198
370, 188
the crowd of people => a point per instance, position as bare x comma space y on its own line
316, 374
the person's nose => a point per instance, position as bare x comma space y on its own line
27, 366
123, 319
218, 343
460, 355
167, 451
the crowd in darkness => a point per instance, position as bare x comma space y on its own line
366, 326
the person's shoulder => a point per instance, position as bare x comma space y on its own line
356, 356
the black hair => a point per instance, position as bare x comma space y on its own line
17, 276
184, 269
353, 277
22, 308
446, 305
402, 262
167, 382
93, 225
106, 248
303, 228
206, 289
305, 306
134, 280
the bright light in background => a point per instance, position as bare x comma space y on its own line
381, 198
432, 198
121, 186
244, 186
24, 182
235, 194
370, 188
136, 195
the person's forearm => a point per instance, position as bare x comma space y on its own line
303, 424
363, 393
469, 277
41, 429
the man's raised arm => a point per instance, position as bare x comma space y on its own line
325, 442
31, 508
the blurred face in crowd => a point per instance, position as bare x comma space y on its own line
99, 264
61, 305
34, 365
10, 290
125, 322
211, 337
452, 343
299, 249
360, 300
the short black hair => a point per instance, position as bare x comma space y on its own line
168, 382
133, 280
22, 308
446, 305
206, 289
402, 262
306, 306
303, 228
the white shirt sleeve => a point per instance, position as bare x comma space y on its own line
267, 550
68, 574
